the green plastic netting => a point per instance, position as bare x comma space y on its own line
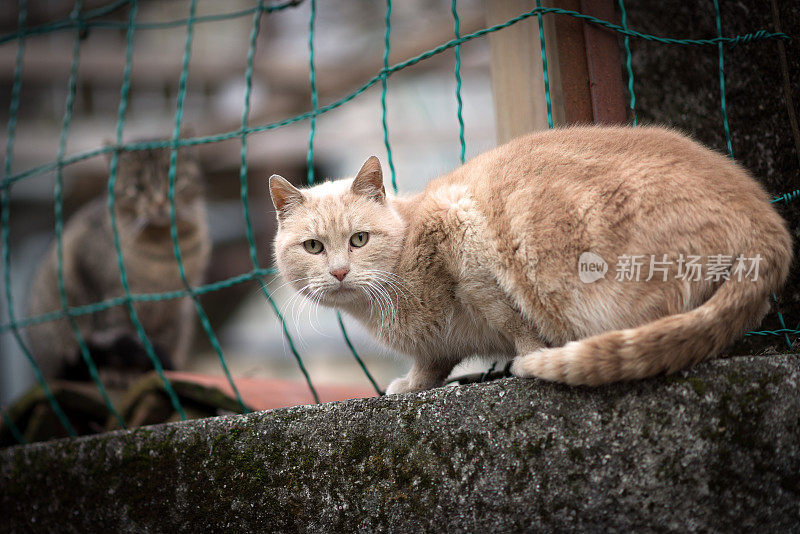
82, 19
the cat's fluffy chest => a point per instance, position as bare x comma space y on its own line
444, 326
448, 284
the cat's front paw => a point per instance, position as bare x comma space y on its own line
404, 385
399, 385
418, 379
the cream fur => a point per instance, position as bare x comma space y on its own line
484, 260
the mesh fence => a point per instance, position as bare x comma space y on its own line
82, 19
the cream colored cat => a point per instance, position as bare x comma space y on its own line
504, 256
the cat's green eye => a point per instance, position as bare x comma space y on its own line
313, 246
359, 239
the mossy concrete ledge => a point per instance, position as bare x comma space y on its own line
716, 448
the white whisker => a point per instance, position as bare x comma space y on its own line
273, 291
375, 302
397, 282
294, 301
383, 300
313, 312
398, 290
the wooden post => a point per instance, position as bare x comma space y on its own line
583, 66
517, 77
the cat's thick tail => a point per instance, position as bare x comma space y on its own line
668, 344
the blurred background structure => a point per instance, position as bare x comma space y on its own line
677, 85
348, 50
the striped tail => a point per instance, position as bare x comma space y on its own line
668, 344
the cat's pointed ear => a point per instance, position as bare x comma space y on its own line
369, 180
285, 196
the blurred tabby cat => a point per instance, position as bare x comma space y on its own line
486, 259
91, 272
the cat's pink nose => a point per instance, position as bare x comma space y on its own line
340, 273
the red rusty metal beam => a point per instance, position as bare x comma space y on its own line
573, 65
604, 66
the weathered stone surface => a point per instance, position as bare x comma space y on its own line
716, 448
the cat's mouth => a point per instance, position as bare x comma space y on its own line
341, 290
162, 222
338, 294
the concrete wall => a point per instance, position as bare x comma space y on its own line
716, 448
